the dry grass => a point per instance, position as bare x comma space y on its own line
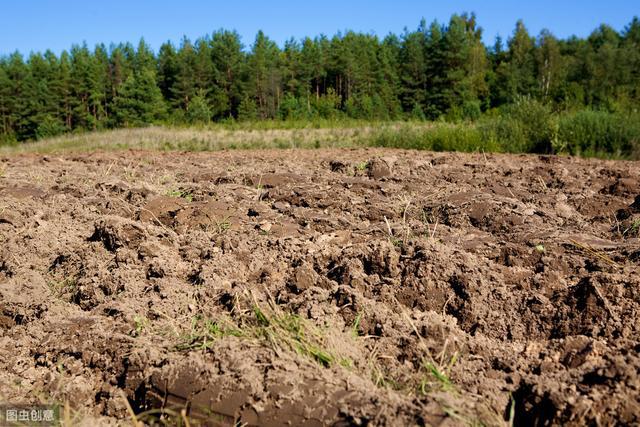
207, 139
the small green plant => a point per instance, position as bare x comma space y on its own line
346, 363
204, 332
223, 226
2, 172
633, 229
356, 326
183, 194
438, 376
140, 323
540, 248
62, 287
284, 330
361, 166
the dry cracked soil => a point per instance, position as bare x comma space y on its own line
321, 287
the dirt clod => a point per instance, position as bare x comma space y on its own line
274, 287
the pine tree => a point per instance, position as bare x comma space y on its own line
199, 111
264, 83
631, 63
16, 97
6, 128
517, 73
139, 100
167, 70
228, 62
413, 69
185, 87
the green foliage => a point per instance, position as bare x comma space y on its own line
592, 133
49, 126
417, 113
292, 108
327, 106
139, 101
198, 112
442, 137
248, 110
526, 126
531, 90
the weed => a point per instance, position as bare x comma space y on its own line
58, 289
284, 330
356, 326
596, 253
395, 241
540, 248
268, 324
361, 166
437, 378
431, 233
223, 225
183, 194
204, 332
633, 229
346, 363
165, 179
140, 323
130, 173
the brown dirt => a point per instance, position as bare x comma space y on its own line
328, 287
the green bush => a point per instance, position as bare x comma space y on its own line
526, 126
292, 108
417, 113
50, 126
199, 111
8, 139
471, 110
327, 106
248, 110
441, 137
597, 133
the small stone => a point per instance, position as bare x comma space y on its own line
265, 226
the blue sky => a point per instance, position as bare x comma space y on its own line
31, 25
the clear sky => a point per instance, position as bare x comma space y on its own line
35, 25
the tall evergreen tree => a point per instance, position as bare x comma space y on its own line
413, 69
139, 100
433, 71
228, 63
517, 72
265, 78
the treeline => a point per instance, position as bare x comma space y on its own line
436, 71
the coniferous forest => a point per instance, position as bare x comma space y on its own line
435, 72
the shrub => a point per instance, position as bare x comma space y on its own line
50, 126
417, 113
592, 133
8, 139
471, 110
199, 111
531, 124
442, 137
292, 108
248, 110
327, 106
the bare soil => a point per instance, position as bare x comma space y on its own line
321, 287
